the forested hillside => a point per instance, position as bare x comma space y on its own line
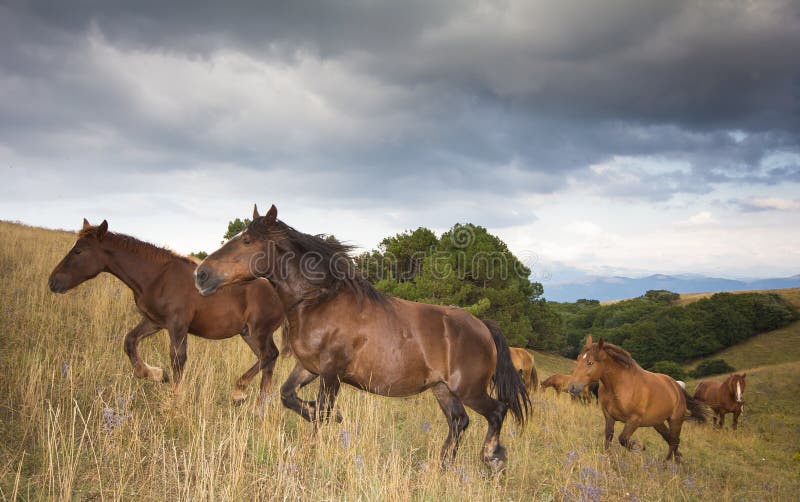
655, 327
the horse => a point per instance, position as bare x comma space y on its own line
163, 289
723, 397
524, 363
634, 396
344, 330
558, 382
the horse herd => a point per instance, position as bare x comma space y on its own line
342, 330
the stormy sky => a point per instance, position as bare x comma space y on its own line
607, 137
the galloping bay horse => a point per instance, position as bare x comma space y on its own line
163, 288
524, 363
634, 396
344, 330
723, 397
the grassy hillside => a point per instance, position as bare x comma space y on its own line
75, 423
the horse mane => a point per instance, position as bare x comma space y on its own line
617, 354
336, 270
141, 248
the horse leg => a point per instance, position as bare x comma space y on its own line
261, 343
494, 454
298, 378
141, 369
177, 352
721, 415
625, 436
736, 414
457, 420
664, 431
609, 431
675, 439
329, 385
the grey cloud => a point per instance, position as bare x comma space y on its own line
498, 97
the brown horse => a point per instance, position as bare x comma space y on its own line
164, 292
558, 382
723, 397
344, 330
523, 362
634, 396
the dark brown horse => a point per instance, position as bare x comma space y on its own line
163, 288
723, 397
343, 330
634, 396
524, 363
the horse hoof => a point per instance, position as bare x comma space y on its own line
238, 397
497, 466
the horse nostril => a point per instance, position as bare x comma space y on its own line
202, 275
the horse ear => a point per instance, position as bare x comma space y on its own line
601, 344
744, 375
272, 214
255, 212
86, 224
102, 229
588, 341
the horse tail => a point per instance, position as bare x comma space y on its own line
511, 390
698, 410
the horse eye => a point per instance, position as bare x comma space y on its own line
246, 240
590, 363
76, 251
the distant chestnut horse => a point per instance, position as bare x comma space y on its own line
723, 397
344, 330
163, 288
634, 396
558, 382
524, 362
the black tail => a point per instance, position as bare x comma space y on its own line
698, 410
510, 389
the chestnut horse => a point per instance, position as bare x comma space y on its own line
344, 330
164, 292
723, 397
523, 362
634, 396
558, 382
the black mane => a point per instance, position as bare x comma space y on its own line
335, 269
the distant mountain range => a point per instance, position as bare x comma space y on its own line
615, 288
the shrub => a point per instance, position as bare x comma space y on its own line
712, 367
670, 368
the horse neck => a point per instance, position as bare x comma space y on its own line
615, 374
134, 270
289, 282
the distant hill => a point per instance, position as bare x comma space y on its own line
613, 288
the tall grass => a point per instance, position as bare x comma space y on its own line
76, 424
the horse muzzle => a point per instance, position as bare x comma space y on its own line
575, 388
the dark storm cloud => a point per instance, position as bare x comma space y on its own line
501, 97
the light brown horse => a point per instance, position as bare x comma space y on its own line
524, 363
634, 396
163, 289
558, 382
343, 330
723, 397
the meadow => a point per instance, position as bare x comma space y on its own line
76, 424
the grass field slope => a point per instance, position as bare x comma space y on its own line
76, 424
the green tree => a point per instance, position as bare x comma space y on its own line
670, 368
200, 255
712, 367
236, 226
404, 253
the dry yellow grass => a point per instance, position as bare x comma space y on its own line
76, 424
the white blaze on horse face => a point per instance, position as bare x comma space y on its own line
738, 392
584, 356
